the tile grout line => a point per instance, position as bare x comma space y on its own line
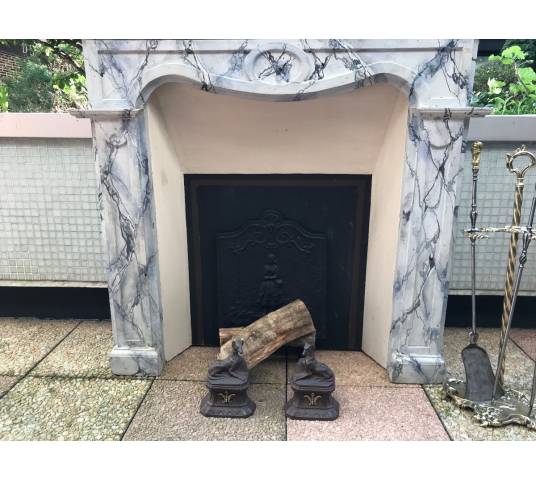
137, 409
27, 374
522, 349
437, 413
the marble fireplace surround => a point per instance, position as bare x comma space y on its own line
422, 86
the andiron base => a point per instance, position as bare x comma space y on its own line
227, 401
317, 404
511, 407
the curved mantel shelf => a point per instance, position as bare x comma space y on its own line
426, 112
451, 112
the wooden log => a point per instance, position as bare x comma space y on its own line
227, 334
269, 333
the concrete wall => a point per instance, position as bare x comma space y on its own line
49, 223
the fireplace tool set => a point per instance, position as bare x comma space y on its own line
483, 391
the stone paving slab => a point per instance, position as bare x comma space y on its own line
25, 341
193, 363
374, 413
171, 412
519, 367
83, 354
351, 368
526, 340
461, 425
40, 408
6, 383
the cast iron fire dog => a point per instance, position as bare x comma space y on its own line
228, 382
243, 348
313, 383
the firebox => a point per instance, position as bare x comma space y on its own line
258, 242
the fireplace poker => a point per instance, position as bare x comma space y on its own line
526, 239
512, 254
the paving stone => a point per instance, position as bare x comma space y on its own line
461, 425
374, 413
84, 353
519, 367
25, 341
171, 412
6, 383
526, 339
40, 408
350, 368
193, 363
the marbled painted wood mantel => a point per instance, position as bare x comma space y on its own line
434, 75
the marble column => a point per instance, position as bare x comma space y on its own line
428, 213
127, 209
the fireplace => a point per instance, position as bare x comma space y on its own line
259, 242
393, 111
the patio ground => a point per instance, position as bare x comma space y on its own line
55, 384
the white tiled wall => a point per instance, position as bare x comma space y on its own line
49, 223
495, 206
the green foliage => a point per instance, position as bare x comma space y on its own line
486, 70
512, 91
3, 98
29, 90
50, 78
528, 46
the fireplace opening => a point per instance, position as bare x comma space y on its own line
345, 134
258, 242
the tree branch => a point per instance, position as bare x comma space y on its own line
55, 48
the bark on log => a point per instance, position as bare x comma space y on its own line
269, 333
227, 334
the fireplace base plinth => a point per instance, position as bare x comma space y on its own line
416, 368
140, 361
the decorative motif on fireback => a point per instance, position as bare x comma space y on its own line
271, 289
271, 231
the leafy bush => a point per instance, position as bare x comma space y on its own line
508, 94
528, 46
50, 78
3, 98
486, 70
29, 90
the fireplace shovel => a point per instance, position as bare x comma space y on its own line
479, 377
